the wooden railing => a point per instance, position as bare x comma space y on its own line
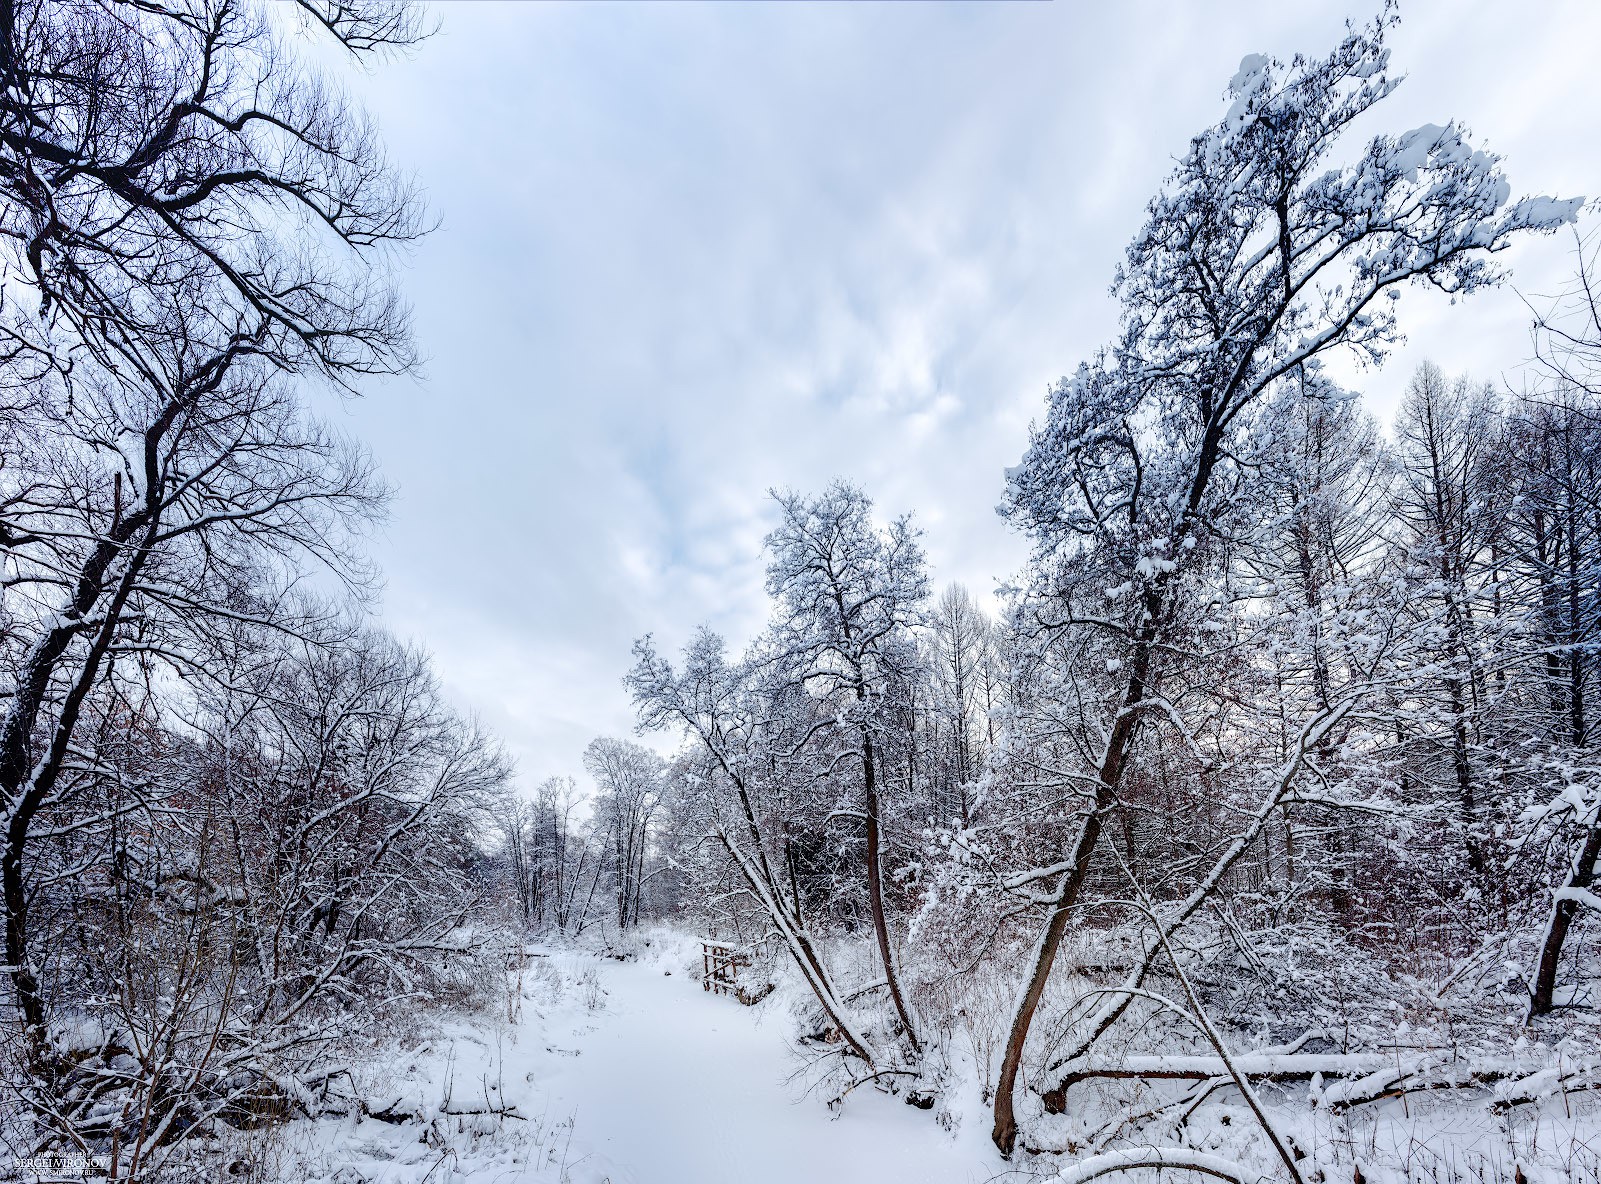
721, 963
720, 967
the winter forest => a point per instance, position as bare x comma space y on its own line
1248, 830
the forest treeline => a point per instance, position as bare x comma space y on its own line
1281, 743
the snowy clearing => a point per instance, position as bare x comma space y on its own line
675, 1084
630, 1073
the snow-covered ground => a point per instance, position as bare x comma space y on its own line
675, 1084
596, 1070
627, 1073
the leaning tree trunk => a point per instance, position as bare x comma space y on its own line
28, 779
1579, 880
758, 874
1113, 761
875, 894
758, 877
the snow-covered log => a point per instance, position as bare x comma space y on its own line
1360, 1078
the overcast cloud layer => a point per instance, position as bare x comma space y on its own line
692, 253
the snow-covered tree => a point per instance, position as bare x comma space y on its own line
628, 783
1273, 244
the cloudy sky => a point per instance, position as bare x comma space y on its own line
688, 254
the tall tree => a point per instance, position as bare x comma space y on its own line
746, 727
962, 657
1261, 255
847, 593
1450, 506
199, 219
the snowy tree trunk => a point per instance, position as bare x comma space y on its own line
875, 893
1004, 1129
1566, 906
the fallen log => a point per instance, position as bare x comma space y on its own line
1360, 1078
402, 1111
1289, 1067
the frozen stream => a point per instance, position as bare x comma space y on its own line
672, 1085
